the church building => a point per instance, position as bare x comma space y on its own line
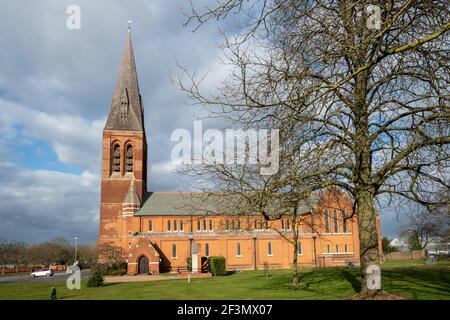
158, 231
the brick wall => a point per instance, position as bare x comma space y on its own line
415, 254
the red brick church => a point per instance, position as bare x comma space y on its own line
156, 231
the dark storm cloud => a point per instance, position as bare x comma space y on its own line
56, 87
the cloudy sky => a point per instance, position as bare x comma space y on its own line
56, 86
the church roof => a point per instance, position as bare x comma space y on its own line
193, 203
131, 197
126, 107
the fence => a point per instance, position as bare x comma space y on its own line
409, 255
29, 269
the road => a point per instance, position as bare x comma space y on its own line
58, 276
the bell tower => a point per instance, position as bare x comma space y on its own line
124, 159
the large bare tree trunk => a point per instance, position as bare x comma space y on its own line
295, 275
368, 237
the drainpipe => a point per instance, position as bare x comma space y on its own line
254, 252
315, 255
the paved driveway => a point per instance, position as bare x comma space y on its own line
60, 275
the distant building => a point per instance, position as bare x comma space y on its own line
155, 232
435, 247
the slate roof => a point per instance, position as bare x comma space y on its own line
126, 107
192, 203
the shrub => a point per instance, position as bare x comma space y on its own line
96, 278
189, 263
218, 265
120, 272
116, 269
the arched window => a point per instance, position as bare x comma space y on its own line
181, 225
174, 251
299, 248
150, 225
269, 248
238, 249
207, 250
129, 159
335, 218
344, 222
174, 225
199, 227
116, 159
168, 225
210, 225
327, 222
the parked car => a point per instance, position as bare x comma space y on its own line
42, 273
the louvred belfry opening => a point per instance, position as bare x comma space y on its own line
129, 159
124, 108
116, 159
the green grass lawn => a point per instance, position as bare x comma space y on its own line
414, 280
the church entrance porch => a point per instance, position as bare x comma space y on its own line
143, 265
143, 258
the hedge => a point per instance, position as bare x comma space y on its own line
218, 265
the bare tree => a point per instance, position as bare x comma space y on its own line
88, 253
20, 254
111, 254
424, 228
367, 105
6, 254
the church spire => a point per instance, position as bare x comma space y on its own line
127, 112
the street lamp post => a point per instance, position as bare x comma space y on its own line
76, 248
315, 254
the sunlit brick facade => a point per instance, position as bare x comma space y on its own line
153, 232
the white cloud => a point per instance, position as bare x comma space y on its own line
76, 141
40, 204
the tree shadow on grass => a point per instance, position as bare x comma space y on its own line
419, 283
351, 278
110, 284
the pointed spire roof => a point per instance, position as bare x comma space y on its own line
127, 111
131, 197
